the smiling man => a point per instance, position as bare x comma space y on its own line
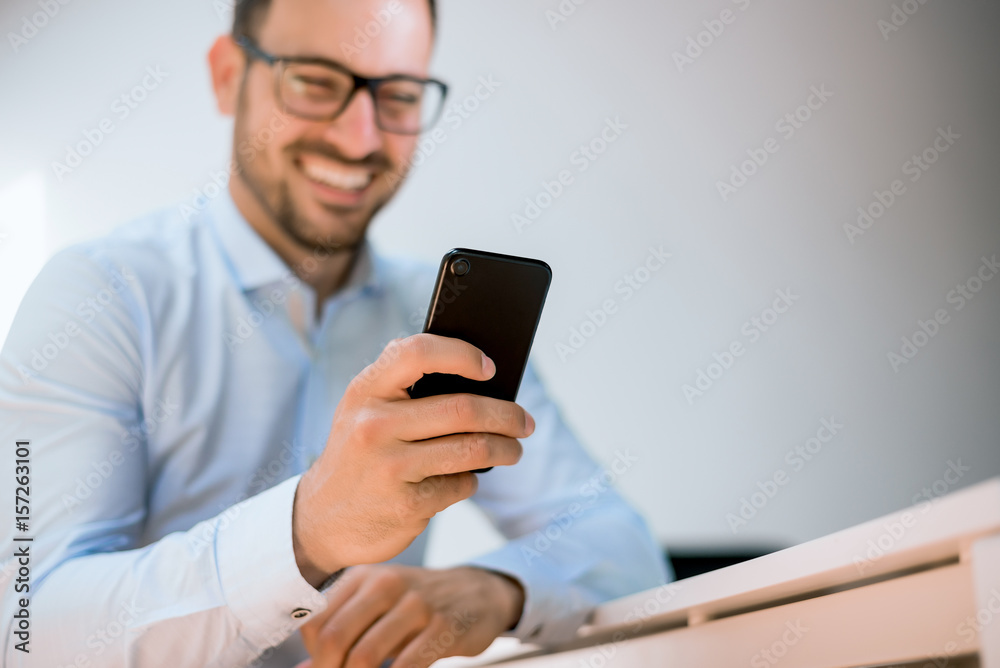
226, 468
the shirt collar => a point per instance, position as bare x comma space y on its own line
255, 264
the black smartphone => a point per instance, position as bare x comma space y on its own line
494, 302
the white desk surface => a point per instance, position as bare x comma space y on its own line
924, 550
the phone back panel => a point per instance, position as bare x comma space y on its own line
496, 307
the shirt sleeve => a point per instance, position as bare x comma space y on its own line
574, 541
71, 383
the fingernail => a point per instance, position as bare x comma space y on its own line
489, 368
529, 423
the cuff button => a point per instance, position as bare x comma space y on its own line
300, 613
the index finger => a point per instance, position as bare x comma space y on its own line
405, 361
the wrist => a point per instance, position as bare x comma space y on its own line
511, 593
310, 567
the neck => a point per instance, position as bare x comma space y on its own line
324, 271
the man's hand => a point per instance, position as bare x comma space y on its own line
391, 463
414, 615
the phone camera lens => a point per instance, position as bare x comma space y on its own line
460, 267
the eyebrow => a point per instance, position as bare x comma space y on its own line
310, 59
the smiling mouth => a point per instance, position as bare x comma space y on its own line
335, 174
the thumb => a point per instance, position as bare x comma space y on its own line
305, 664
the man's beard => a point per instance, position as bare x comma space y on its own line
282, 210
276, 200
297, 227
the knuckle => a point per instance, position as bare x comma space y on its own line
418, 345
416, 607
409, 505
330, 640
504, 417
476, 448
460, 407
393, 349
390, 582
362, 656
358, 384
498, 418
369, 425
428, 488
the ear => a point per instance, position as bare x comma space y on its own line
226, 62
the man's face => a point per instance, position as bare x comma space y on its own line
321, 182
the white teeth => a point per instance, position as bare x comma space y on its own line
337, 176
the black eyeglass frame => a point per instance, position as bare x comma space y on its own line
372, 84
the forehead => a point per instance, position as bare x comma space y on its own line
372, 37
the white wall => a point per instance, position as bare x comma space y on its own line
655, 185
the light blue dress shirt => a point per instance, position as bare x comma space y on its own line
173, 386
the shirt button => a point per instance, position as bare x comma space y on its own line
300, 613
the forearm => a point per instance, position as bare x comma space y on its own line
218, 594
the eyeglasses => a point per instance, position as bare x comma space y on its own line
317, 89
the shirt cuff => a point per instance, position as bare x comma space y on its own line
553, 608
260, 580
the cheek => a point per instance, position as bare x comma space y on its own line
268, 137
263, 130
399, 148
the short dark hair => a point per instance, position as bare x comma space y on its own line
249, 14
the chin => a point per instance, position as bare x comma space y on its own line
322, 232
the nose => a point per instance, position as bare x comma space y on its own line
354, 131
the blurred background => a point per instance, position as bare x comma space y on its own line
819, 346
